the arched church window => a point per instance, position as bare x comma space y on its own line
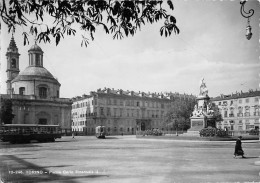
22, 90
37, 59
58, 94
13, 63
43, 92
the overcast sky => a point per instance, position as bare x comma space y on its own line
211, 44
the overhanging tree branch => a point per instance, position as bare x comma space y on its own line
114, 16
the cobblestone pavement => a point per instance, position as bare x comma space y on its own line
127, 159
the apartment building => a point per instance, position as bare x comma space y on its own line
122, 112
240, 111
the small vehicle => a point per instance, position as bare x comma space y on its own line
101, 132
24, 133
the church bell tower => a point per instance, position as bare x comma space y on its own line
12, 57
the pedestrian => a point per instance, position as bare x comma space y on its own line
73, 135
238, 148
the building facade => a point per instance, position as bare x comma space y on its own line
35, 92
122, 112
240, 111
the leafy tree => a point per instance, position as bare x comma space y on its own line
6, 113
217, 116
120, 18
179, 114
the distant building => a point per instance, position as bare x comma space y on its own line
35, 92
122, 112
240, 111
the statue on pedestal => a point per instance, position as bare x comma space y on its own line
204, 106
202, 115
203, 88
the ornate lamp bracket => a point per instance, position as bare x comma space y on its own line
243, 12
247, 15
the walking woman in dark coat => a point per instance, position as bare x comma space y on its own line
238, 148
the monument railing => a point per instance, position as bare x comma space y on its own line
240, 133
169, 132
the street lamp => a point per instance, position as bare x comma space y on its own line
247, 15
248, 32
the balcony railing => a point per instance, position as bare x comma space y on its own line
231, 115
247, 114
256, 113
239, 114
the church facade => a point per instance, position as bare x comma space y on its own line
35, 92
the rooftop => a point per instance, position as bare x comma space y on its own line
148, 95
250, 93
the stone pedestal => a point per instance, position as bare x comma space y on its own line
198, 123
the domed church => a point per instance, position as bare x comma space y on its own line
34, 91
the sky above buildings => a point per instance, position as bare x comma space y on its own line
211, 45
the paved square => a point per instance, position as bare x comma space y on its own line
127, 159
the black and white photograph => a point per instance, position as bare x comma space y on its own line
121, 91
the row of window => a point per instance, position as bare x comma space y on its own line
239, 128
241, 121
82, 104
130, 112
37, 61
121, 103
111, 122
240, 101
42, 92
241, 114
134, 103
121, 112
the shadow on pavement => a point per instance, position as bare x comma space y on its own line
58, 166
250, 157
13, 169
107, 137
8, 145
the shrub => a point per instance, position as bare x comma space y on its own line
254, 132
155, 132
211, 132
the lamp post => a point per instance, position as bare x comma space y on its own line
247, 15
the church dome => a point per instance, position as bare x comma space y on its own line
35, 48
35, 73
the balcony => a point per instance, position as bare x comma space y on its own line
256, 113
247, 114
231, 115
239, 114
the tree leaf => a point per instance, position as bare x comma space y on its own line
169, 2
57, 39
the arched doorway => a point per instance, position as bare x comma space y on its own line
143, 126
43, 118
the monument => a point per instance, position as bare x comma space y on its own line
202, 115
